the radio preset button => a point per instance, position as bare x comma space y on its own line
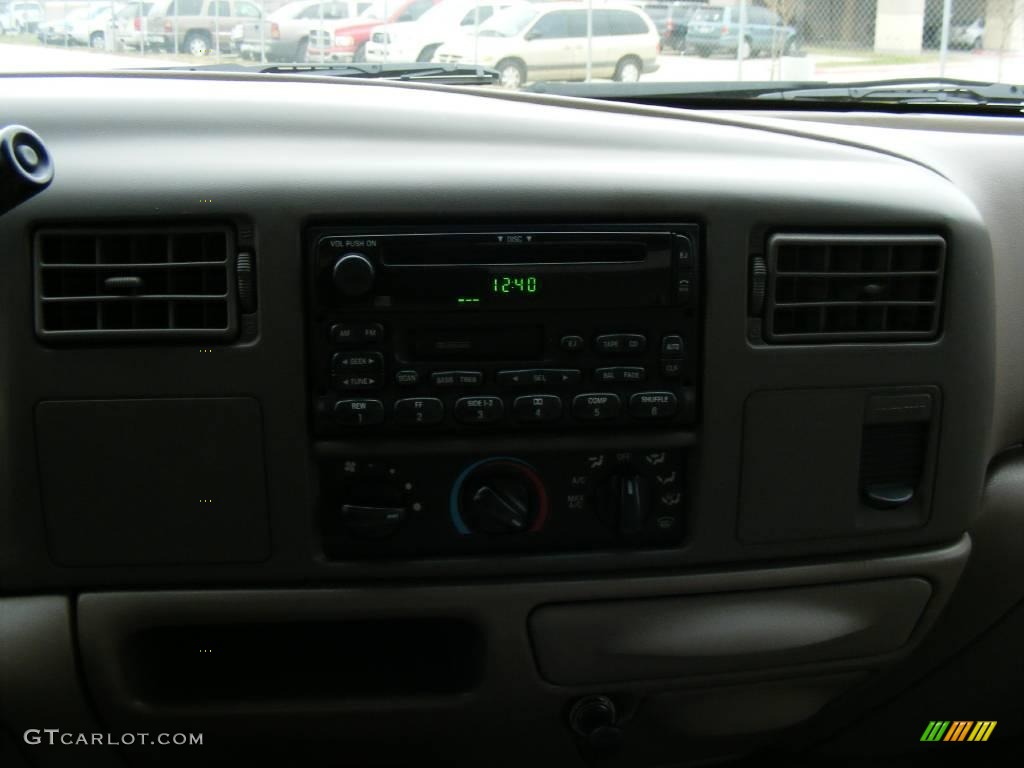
621, 343
653, 405
407, 378
456, 378
356, 333
356, 362
418, 411
595, 406
571, 343
620, 374
672, 346
359, 413
537, 408
479, 410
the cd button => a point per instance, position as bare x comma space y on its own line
478, 410
537, 408
653, 405
419, 411
619, 374
595, 406
359, 413
621, 343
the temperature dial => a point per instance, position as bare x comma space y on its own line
499, 496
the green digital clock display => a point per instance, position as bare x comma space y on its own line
521, 284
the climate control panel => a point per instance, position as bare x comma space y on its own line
526, 501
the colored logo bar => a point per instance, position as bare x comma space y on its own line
958, 730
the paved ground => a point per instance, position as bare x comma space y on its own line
983, 65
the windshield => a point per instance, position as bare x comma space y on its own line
530, 45
508, 23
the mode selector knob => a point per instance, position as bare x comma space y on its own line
353, 275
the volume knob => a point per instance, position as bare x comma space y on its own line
353, 275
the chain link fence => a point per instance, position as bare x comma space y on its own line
793, 39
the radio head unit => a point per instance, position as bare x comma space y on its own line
481, 329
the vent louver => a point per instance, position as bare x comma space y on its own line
164, 283
836, 288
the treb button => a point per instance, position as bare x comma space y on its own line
653, 405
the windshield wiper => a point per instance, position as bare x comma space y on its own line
917, 94
445, 74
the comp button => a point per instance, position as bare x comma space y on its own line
595, 406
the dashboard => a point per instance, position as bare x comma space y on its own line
335, 410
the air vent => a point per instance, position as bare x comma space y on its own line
159, 283
836, 288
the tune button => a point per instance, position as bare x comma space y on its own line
418, 411
595, 406
357, 381
485, 409
653, 405
359, 413
537, 408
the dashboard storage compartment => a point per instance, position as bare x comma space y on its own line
671, 637
161, 481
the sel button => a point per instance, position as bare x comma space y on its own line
478, 410
653, 405
595, 406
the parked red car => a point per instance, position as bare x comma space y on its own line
347, 42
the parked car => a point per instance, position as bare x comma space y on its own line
347, 41
21, 17
132, 28
549, 42
419, 40
672, 20
970, 35
84, 26
286, 30
716, 29
193, 26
